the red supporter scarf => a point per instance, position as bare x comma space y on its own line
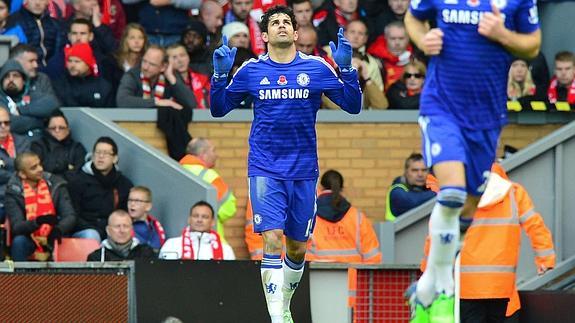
188, 250
342, 20
159, 228
552, 92
8, 145
256, 41
159, 88
200, 85
37, 203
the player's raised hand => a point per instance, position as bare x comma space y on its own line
223, 58
342, 54
491, 24
432, 42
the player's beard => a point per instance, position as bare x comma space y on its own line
284, 43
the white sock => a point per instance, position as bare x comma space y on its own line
272, 282
444, 234
292, 276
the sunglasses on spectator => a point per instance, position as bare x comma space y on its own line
57, 128
5, 123
416, 75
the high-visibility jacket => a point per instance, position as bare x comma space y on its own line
490, 251
350, 240
226, 207
254, 241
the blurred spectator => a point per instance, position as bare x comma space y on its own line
394, 50
39, 208
540, 74
240, 12
81, 85
90, 11
332, 16
39, 84
163, 20
120, 245
58, 152
520, 86
395, 11
27, 107
303, 12
114, 16
373, 95
98, 189
404, 94
261, 6
13, 28
197, 82
212, 15
562, 86
147, 228
43, 32
237, 34
356, 32
408, 191
194, 39
198, 241
11, 145
156, 84
307, 44
242, 55
132, 46
200, 160
342, 233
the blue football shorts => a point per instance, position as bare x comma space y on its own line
283, 204
443, 140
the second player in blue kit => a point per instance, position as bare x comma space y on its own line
462, 111
286, 87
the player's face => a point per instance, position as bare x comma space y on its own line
356, 33
242, 8
303, 13
80, 33
241, 40
138, 205
413, 78
179, 59
347, 6
119, 228
306, 42
565, 72
280, 31
201, 219
397, 40
399, 7
519, 71
416, 173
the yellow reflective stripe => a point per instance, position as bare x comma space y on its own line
371, 253
489, 221
562, 106
487, 269
357, 232
257, 252
544, 252
337, 252
514, 106
352, 293
538, 106
249, 223
389, 216
194, 169
209, 175
525, 216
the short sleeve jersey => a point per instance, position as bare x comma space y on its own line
286, 98
468, 79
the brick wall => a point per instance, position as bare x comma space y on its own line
369, 156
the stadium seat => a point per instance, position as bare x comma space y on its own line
74, 249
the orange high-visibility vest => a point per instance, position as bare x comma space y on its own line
491, 247
350, 240
254, 241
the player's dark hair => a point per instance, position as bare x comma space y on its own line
203, 203
412, 158
275, 10
565, 56
333, 180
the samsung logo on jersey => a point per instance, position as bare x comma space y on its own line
467, 17
283, 94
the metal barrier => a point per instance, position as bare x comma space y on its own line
67, 292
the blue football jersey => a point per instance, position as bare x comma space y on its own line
468, 79
286, 99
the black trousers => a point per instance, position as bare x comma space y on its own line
490, 310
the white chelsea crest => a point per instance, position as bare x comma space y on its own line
302, 79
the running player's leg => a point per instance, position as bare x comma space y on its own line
299, 225
269, 204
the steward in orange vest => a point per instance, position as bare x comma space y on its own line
490, 251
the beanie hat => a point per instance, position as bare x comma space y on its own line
198, 27
84, 52
233, 28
